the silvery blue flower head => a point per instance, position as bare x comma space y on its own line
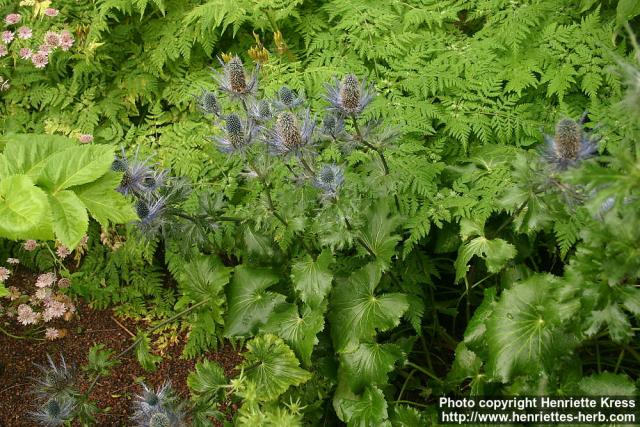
349, 96
234, 80
288, 99
261, 111
289, 134
55, 412
333, 125
570, 144
138, 177
158, 408
151, 212
208, 103
329, 179
54, 380
238, 134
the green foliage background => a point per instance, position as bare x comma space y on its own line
477, 265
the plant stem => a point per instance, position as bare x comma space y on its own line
424, 371
359, 239
19, 337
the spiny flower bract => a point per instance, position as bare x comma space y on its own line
158, 408
55, 412
289, 134
237, 135
333, 126
570, 145
138, 177
233, 79
261, 111
54, 381
329, 179
349, 96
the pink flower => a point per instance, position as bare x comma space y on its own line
51, 11
43, 293
40, 59
64, 283
3, 50
7, 36
45, 280
52, 38
85, 138
25, 33
54, 310
4, 274
13, 261
25, 53
45, 48
63, 251
12, 18
52, 334
30, 245
66, 40
26, 315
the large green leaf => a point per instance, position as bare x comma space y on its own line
614, 318
70, 220
370, 409
24, 209
369, 364
207, 380
523, 331
297, 331
357, 312
249, 303
495, 252
76, 166
466, 365
28, 154
378, 236
312, 279
271, 366
103, 201
204, 277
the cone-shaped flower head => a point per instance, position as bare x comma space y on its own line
261, 111
333, 125
288, 99
208, 103
237, 134
55, 412
290, 135
234, 80
349, 96
570, 145
329, 179
158, 408
138, 177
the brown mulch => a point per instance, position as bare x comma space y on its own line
112, 394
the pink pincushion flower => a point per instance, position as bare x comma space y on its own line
52, 334
25, 53
3, 50
45, 280
85, 138
30, 245
45, 48
4, 274
52, 38
40, 59
50, 11
54, 309
43, 293
7, 36
26, 315
63, 251
12, 18
64, 283
66, 40
25, 33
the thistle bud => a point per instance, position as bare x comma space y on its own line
142, 209
234, 130
209, 103
350, 93
119, 165
237, 79
287, 129
568, 139
286, 96
264, 109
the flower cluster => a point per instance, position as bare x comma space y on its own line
43, 304
27, 42
158, 408
55, 393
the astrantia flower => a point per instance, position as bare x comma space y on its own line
30, 245
45, 280
51, 12
46, 48
43, 293
85, 138
7, 36
208, 103
66, 40
233, 79
26, 315
4, 274
25, 53
349, 96
136, 174
54, 309
570, 145
51, 334
64, 282
261, 111
52, 38
288, 99
62, 251
40, 59
288, 135
237, 135
12, 18
3, 50
13, 261
55, 412
25, 33
329, 179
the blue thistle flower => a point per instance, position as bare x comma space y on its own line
137, 176
55, 412
158, 408
208, 103
570, 144
233, 79
288, 99
333, 126
349, 96
237, 135
54, 381
329, 179
288, 136
261, 111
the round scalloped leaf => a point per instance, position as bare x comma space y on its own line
24, 209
